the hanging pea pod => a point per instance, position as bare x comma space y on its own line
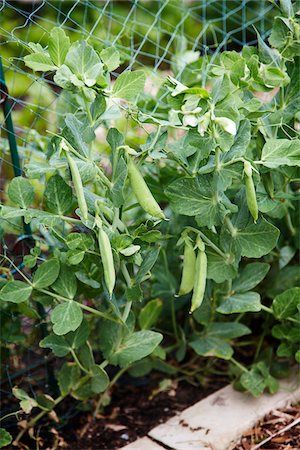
107, 260
200, 276
188, 269
268, 183
142, 192
78, 186
250, 191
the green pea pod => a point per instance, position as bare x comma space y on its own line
188, 270
76, 178
107, 260
199, 281
268, 183
142, 192
250, 191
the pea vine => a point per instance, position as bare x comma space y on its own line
176, 239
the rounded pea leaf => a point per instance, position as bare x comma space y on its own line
135, 346
21, 192
66, 317
58, 195
212, 346
15, 292
250, 277
258, 239
129, 84
46, 274
5, 438
100, 380
285, 304
247, 302
58, 344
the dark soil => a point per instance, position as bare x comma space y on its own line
133, 412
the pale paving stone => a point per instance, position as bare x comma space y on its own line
219, 420
143, 444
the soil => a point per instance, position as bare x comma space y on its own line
133, 412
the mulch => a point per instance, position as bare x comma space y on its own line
279, 430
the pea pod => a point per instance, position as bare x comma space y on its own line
107, 260
76, 178
250, 191
142, 192
199, 280
188, 270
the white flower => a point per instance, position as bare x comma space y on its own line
203, 123
179, 87
227, 124
189, 120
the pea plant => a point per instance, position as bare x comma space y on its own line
173, 246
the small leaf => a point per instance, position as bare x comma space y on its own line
58, 344
227, 330
58, 46
46, 274
111, 58
281, 152
285, 304
147, 264
84, 62
253, 382
150, 313
66, 283
99, 380
21, 192
5, 438
129, 84
247, 302
39, 62
250, 277
15, 292
258, 239
26, 402
58, 195
135, 347
211, 346
66, 317
68, 377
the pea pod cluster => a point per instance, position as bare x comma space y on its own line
107, 260
250, 191
194, 273
142, 192
77, 182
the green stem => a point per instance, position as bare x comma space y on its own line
85, 307
78, 362
289, 224
231, 228
239, 365
126, 274
217, 155
209, 242
87, 108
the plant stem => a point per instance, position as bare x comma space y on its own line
239, 365
209, 242
78, 362
231, 228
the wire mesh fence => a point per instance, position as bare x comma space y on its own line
147, 34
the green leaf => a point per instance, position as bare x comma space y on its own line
211, 346
227, 330
199, 197
58, 195
58, 344
5, 438
150, 313
78, 338
46, 274
253, 382
129, 84
58, 46
111, 58
285, 305
66, 317
147, 264
80, 241
286, 331
258, 239
119, 183
281, 152
250, 277
21, 192
75, 256
239, 303
99, 380
26, 402
15, 292
39, 62
135, 347
84, 62
219, 269
66, 283
68, 377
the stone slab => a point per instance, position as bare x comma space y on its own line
143, 444
219, 420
